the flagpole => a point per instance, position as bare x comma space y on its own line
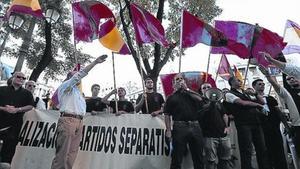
218, 68
208, 62
246, 73
74, 41
115, 85
180, 40
142, 76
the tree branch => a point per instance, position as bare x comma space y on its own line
166, 58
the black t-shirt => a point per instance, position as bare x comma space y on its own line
17, 98
154, 101
272, 120
182, 107
94, 104
122, 105
212, 122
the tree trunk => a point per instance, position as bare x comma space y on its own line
47, 56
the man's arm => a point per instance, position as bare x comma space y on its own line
168, 126
275, 62
271, 80
105, 98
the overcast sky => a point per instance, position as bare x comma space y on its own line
271, 14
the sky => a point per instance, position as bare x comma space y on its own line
271, 14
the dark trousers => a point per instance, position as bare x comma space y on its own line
274, 146
187, 133
296, 139
10, 139
248, 134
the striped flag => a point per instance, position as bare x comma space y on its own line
292, 37
224, 69
237, 73
31, 7
111, 38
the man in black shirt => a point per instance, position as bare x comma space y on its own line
94, 103
154, 100
14, 102
271, 127
183, 106
124, 106
217, 144
247, 114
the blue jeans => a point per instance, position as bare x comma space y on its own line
187, 133
218, 149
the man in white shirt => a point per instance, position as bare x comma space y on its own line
72, 106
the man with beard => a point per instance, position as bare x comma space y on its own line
154, 102
183, 105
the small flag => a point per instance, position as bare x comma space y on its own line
31, 7
111, 38
237, 73
147, 28
292, 37
224, 69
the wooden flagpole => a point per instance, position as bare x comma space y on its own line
115, 85
180, 47
142, 76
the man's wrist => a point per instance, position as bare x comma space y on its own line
19, 109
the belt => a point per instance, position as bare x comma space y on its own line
62, 114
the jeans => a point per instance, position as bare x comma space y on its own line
248, 134
217, 149
187, 133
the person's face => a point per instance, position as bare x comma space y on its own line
292, 81
236, 83
30, 86
259, 86
121, 92
95, 90
18, 79
205, 87
149, 84
179, 82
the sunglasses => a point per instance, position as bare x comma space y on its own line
290, 78
206, 87
260, 84
179, 79
31, 85
21, 77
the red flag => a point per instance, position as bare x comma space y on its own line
224, 70
237, 73
195, 31
87, 16
31, 7
269, 42
147, 28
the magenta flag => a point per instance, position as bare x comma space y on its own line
237, 31
88, 16
269, 42
224, 69
193, 81
195, 31
147, 28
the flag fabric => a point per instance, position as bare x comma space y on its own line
193, 80
237, 73
31, 7
87, 17
147, 28
224, 69
292, 37
266, 41
238, 31
111, 38
195, 31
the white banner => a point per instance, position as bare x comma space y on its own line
129, 141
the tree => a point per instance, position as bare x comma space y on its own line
50, 49
154, 56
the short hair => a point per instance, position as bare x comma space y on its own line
94, 85
29, 81
147, 78
256, 81
230, 80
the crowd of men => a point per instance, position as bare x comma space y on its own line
195, 121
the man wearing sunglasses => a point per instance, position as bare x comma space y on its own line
38, 102
271, 127
183, 105
14, 102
